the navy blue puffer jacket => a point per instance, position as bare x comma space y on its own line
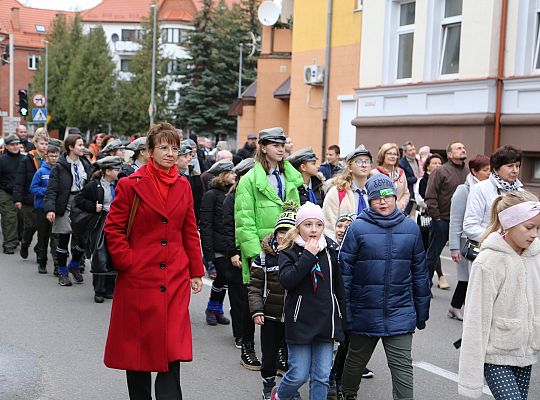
385, 275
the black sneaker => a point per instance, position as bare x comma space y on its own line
248, 357
238, 342
210, 317
76, 275
367, 374
99, 299
268, 385
222, 319
9, 251
63, 280
24, 251
42, 268
55, 272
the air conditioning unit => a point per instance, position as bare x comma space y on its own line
313, 74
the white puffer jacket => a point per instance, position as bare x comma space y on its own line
502, 313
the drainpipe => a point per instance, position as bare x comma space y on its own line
326, 75
500, 75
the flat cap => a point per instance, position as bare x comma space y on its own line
252, 136
244, 166
298, 157
185, 147
138, 144
359, 151
114, 145
274, 135
74, 131
109, 162
221, 166
56, 143
12, 139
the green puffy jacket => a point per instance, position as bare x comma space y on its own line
257, 207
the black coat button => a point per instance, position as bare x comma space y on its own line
164, 243
164, 220
162, 288
162, 266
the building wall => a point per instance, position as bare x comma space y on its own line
308, 45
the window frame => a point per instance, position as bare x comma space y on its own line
132, 35
536, 40
124, 61
33, 62
359, 5
398, 32
445, 23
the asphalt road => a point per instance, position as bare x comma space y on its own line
52, 340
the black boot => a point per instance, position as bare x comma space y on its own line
42, 268
248, 357
268, 385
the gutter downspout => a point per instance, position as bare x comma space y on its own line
500, 75
326, 75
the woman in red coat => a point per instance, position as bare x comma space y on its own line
157, 263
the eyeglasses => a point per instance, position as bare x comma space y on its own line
359, 163
53, 155
168, 149
392, 154
386, 199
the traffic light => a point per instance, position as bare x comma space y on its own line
5, 55
23, 102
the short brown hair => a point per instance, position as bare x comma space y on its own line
70, 141
162, 132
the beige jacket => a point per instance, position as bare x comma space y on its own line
502, 314
333, 209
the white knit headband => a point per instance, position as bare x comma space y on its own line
518, 214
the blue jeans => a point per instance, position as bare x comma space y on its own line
313, 361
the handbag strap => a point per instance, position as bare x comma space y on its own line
132, 214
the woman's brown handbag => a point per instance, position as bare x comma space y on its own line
101, 262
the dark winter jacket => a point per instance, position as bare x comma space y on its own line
329, 170
39, 185
385, 275
28, 145
85, 202
125, 170
311, 316
229, 236
211, 223
9, 165
60, 181
409, 173
246, 152
265, 293
317, 187
27, 168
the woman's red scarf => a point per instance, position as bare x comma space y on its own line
161, 179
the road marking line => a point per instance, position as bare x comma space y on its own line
444, 373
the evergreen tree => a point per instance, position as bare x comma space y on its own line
210, 76
133, 95
89, 89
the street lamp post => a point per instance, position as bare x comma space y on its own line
152, 107
11, 76
46, 73
240, 67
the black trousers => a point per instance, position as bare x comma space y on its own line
29, 225
339, 360
103, 284
167, 385
237, 293
44, 235
272, 337
248, 326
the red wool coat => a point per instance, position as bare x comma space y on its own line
150, 324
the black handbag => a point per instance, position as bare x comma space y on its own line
470, 250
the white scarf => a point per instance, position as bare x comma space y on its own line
302, 243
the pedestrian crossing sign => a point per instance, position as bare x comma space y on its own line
39, 115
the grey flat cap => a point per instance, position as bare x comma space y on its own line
298, 157
138, 144
114, 145
221, 166
244, 166
109, 162
252, 136
359, 151
56, 143
185, 147
12, 139
274, 135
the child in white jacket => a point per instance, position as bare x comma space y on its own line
501, 326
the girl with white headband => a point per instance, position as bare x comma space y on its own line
501, 325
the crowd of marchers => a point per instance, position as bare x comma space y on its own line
341, 253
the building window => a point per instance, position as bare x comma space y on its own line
405, 40
124, 65
536, 66
172, 66
33, 61
173, 35
451, 37
131, 35
358, 5
171, 96
40, 28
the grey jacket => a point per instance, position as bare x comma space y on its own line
457, 215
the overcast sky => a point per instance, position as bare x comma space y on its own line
68, 5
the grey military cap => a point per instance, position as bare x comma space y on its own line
56, 143
185, 147
12, 139
244, 166
251, 136
109, 162
359, 151
274, 135
298, 157
221, 166
138, 144
114, 145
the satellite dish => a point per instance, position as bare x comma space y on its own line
269, 12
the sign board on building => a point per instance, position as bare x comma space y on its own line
10, 124
39, 100
39, 115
